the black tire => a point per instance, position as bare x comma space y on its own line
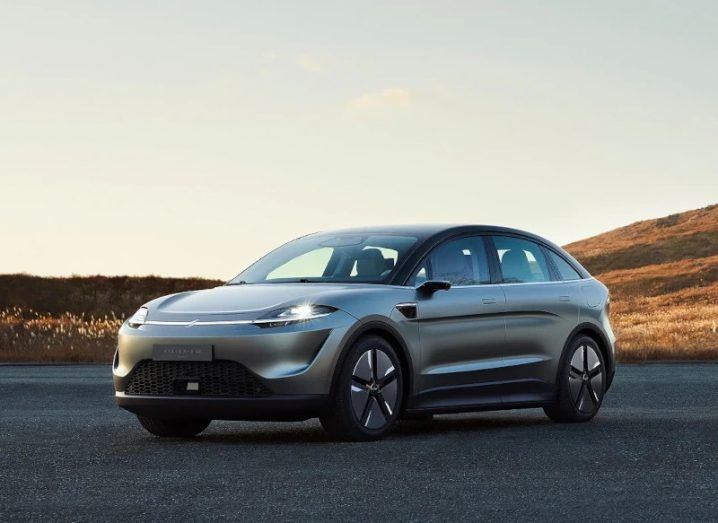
174, 428
383, 393
581, 382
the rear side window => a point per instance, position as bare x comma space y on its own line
565, 271
521, 261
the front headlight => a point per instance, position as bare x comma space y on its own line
139, 317
293, 314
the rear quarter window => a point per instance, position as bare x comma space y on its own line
565, 271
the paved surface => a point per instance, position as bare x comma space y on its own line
652, 453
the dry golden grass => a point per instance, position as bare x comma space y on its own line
680, 332
676, 325
664, 278
27, 336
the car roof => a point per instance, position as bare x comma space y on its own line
424, 231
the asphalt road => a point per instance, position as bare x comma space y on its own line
67, 453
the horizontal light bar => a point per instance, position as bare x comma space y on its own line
200, 323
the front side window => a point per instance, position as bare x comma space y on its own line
331, 258
420, 275
565, 271
462, 262
521, 261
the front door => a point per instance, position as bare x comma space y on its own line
462, 330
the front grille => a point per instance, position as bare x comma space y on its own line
215, 378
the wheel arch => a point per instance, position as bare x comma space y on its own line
593, 331
383, 329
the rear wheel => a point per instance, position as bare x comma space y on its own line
368, 395
582, 383
174, 428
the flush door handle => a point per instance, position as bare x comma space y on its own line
564, 298
488, 301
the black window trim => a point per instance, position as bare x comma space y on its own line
494, 262
552, 269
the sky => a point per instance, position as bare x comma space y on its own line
189, 138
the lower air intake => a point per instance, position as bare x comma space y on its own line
203, 378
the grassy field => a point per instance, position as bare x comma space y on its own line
677, 333
662, 274
73, 319
27, 336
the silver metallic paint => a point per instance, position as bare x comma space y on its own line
505, 339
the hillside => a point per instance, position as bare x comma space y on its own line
663, 277
686, 236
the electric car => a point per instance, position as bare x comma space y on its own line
362, 327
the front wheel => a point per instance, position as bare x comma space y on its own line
582, 383
367, 398
174, 428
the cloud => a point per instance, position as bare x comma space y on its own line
309, 63
390, 98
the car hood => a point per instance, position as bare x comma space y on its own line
251, 301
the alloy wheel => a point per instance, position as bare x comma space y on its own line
374, 389
585, 379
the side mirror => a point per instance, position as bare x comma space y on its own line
431, 286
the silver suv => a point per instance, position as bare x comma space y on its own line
361, 327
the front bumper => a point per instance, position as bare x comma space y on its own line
295, 363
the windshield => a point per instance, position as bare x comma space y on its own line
334, 258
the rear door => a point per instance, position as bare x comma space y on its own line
462, 330
541, 312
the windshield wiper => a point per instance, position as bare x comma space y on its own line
241, 282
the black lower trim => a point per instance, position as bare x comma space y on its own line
273, 408
476, 407
484, 396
